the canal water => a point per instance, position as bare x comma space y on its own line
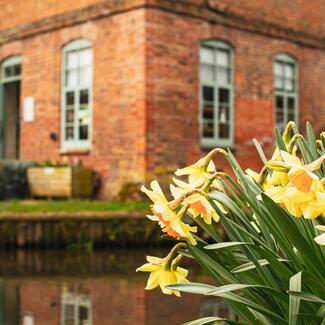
98, 288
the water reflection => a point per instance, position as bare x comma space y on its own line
64, 288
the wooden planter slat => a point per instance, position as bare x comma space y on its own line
68, 182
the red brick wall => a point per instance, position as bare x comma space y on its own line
305, 15
16, 12
172, 87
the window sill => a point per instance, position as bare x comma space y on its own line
206, 147
75, 151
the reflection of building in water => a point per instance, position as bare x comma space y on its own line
212, 306
96, 289
9, 303
110, 301
75, 308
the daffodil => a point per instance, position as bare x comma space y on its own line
164, 272
200, 172
321, 238
170, 222
309, 205
301, 176
198, 203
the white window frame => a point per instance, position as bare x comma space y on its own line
75, 144
216, 140
286, 59
76, 300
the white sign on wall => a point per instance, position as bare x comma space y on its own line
29, 109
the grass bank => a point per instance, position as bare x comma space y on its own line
69, 206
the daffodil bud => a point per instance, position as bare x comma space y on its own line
287, 132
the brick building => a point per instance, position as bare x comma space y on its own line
134, 88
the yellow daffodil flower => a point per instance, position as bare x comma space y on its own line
320, 240
301, 176
164, 272
198, 173
309, 205
167, 218
198, 204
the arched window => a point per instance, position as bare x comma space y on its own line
11, 69
76, 113
285, 90
216, 92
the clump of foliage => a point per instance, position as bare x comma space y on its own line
272, 268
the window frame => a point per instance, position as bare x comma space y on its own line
75, 144
286, 59
9, 62
76, 300
216, 140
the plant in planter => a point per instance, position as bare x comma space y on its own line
55, 179
271, 267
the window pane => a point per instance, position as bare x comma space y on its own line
289, 71
83, 132
289, 85
279, 102
208, 93
85, 57
291, 108
278, 69
12, 71
72, 60
69, 311
207, 55
207, 73
223, 95
69, 117
83, 313
69, 98
17, 70
69, 134
222, 58
208, 110
208, 129
223, 75
280, 120
224, 131
291, 103
224, 114
71, 77
84, 99
85, 76
278, 83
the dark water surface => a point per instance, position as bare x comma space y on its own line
69, 288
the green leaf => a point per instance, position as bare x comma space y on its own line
260, 317
307, 296
192, 287
294, 301
199, 288
207, 320
260, 151
250, 265
311, 139
226, 244
204, 320
231, 287
288, 227
279, 140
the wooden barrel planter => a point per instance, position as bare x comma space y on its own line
60, 181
